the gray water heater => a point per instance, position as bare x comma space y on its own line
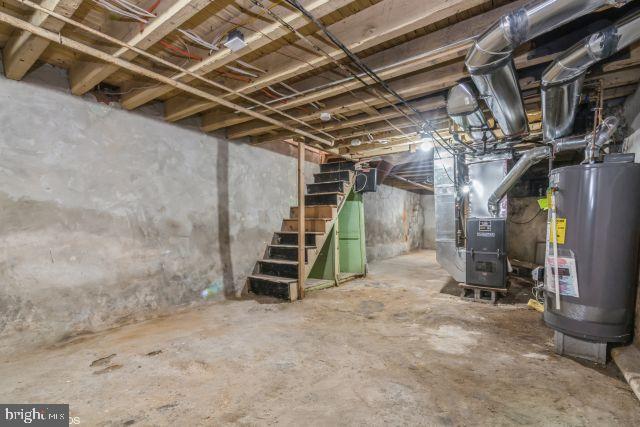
598, 206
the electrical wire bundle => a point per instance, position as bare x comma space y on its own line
126, 9
193, 37
426, 126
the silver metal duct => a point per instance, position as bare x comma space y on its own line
463, 108
592, 146
562, 81
490, 61
528, 159
448, 255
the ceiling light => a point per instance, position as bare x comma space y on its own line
426, 144
355, 142
235, 41
325, 116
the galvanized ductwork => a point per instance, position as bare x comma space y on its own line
562, 81
592, 147
490, 61
451, 257
464, 110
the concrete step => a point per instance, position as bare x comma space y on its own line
333, 176
326, 187
278, 267
311, 224
291, 238
274, 286
318, 211
337, 166
331, 198
287, 252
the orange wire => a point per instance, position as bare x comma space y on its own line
182, 52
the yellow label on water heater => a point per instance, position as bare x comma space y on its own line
561, 230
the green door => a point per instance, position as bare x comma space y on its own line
351, 235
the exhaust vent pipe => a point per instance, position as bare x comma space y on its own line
490, 61
562, 81
603, 134
463, 108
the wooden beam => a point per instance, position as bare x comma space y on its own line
84, 76
634, 59
423, 105
23, 48
98, 54
436, 79
426, 51
265, 34
302, 268
376, 24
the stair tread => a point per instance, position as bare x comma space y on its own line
295, 232
278, 261
310, 218
273, 278
291, 246
319, 206
326, 193
326, 182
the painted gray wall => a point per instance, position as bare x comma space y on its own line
109, 216
394, 222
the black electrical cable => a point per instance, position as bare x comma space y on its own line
341, 66
372, 74
528, 221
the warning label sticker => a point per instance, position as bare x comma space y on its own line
561, 230
567, 278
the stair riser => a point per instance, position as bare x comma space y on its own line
315, 212
326, 187
280, 270
273, 289
292, 239
290, 254
337, 166
322, 199
310, 225
332, 176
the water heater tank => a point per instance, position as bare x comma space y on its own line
599, 209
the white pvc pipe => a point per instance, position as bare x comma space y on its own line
554, 230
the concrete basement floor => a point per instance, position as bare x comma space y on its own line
388, 349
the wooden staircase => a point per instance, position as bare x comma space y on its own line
276, 274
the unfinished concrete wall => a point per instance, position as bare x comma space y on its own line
631, 113
394, 222
107, 216
527, 226
429, 214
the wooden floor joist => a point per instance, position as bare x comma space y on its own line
84, 76
225, 56
98, 54
435, 48
23, 48
381, 22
